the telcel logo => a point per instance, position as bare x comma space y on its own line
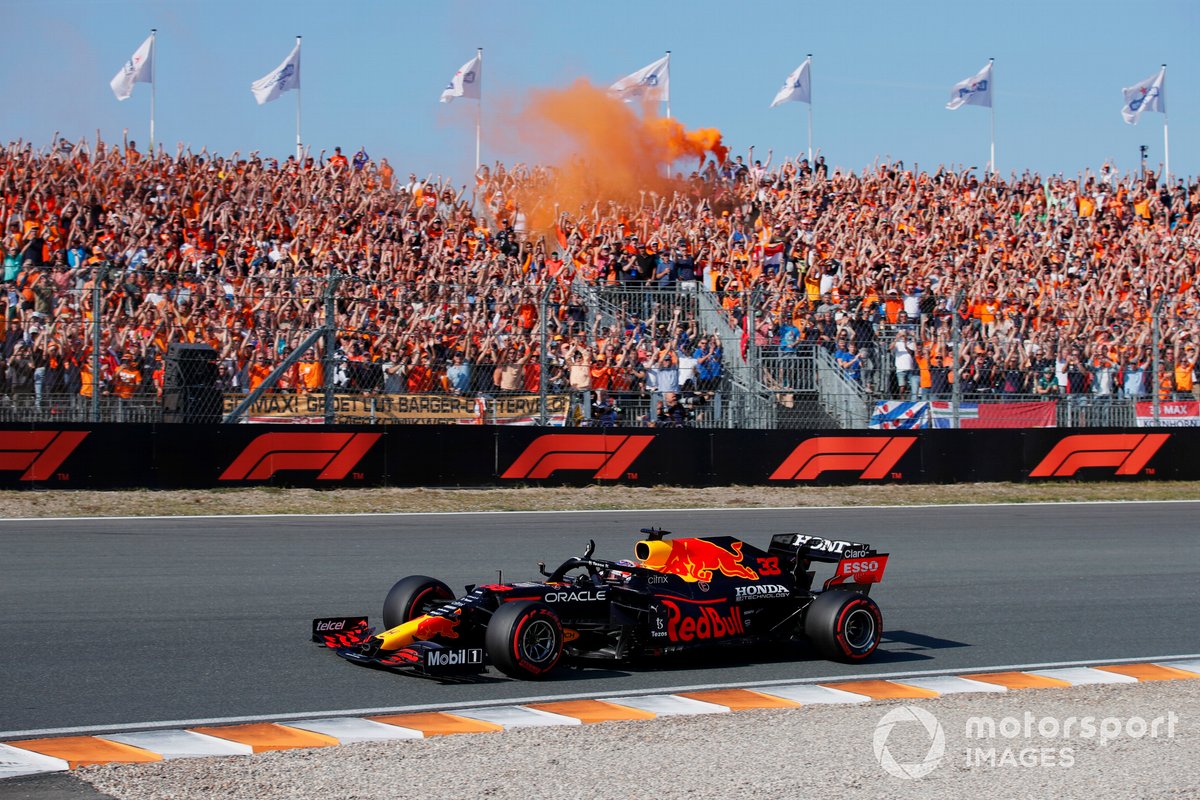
331, 626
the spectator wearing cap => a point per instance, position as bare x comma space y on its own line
605, 411
664, 376
127, 378
664, 270
907, 378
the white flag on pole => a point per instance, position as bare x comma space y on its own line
1149, 95
467, 82
138, 69
282, 79
974, 91
652, 82
797, 87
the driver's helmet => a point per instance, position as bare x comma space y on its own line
619, 576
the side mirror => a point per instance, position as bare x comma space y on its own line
542, 568
591, 548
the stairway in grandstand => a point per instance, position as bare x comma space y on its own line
800, 390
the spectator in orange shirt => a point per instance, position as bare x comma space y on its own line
127, 378
311, 374
259, 371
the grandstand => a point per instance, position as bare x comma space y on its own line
742, 297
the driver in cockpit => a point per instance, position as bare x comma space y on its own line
618, 576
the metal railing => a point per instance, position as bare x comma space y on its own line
376, 353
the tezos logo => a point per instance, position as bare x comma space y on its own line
933, 729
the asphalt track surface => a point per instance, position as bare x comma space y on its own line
111, 622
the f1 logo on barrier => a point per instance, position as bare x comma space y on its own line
609, 456
334, 454
874, 456
38, 453
1128, 452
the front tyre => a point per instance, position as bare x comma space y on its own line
413, 596
844, 626
524, 639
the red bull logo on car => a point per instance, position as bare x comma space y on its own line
702, 622
693, 559
431, 627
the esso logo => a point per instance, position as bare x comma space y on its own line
859, 566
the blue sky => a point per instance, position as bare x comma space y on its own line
372, 73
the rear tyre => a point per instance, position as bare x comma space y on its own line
524, 639
844, 626
412, 597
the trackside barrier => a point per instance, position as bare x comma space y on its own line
112, 456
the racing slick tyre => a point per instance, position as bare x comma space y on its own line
413, 596
844, 626
524, 639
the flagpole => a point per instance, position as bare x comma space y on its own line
153, 81
810, 105
668, 85
299, 146
992, 92
1166, 146
478, 112
668, 164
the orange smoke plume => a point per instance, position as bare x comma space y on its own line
602, 150
679, 142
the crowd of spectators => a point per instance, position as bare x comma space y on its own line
443, 288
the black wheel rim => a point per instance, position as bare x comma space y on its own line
539, 641
859, 630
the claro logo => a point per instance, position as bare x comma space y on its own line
38, 454
332, 454
872, 456
608, 456
1128, 452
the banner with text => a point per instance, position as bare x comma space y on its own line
1171, 413
408, 408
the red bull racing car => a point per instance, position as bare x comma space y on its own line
678, 595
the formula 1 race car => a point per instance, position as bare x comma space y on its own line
679, 595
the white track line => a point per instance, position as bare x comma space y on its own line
516, 701
693, 509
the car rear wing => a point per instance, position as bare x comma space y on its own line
858, 564
816, 548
